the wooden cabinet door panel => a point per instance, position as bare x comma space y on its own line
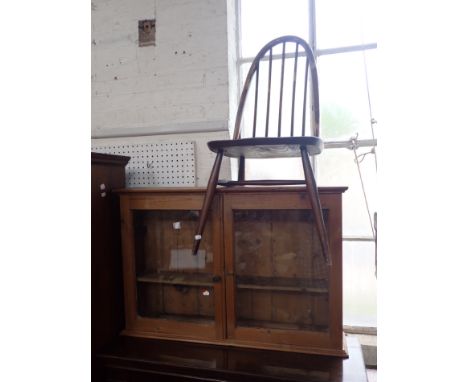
279, 288
170, 292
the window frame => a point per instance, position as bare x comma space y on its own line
328, 144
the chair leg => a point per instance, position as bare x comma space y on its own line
212, 183
315, 201
241, 173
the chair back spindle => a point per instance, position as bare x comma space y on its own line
281, 89
270, 62
294, 89
256, 101
304, 106
287, 60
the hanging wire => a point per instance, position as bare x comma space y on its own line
375, 251
361, 157
372, 120
354, 147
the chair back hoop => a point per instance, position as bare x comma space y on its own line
310, 70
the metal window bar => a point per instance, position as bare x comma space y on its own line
348, 144
358, 238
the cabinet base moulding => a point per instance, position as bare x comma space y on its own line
243, 344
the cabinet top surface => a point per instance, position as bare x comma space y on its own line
99, 158
187, 190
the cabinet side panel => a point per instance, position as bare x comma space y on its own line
107, 310
334, 228
128, 262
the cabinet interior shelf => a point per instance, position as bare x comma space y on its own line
243, 282
178, 278
187, 318
280, 325
282, 284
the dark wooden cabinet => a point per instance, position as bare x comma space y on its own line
259, 279
107, 317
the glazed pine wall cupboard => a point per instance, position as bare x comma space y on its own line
259, 279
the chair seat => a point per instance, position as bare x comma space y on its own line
282, 147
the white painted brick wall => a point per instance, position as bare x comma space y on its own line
184, 78
181, 84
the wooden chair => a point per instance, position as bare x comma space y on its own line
302, 138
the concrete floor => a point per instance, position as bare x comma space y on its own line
371, 375
369, 348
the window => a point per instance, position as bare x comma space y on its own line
342, 36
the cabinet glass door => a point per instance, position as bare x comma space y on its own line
172, 283
280, 274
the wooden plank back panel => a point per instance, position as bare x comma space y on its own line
253, 245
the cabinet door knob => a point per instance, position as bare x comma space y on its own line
216, 279
102, 188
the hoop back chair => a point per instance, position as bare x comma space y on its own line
297, 140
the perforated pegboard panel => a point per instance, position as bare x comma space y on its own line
168, 164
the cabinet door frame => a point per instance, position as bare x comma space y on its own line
164, 328
330, 342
